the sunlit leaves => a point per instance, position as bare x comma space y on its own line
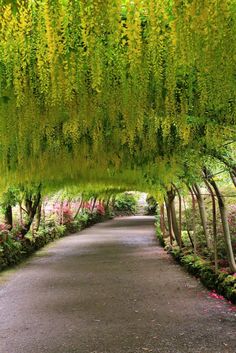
89, 86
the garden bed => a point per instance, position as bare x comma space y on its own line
13, 251
219, 281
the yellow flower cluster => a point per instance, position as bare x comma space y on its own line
90, 86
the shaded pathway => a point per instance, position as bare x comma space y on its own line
111, 289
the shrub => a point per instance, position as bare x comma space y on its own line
151, 208
14, 248
100, 209
10, 253
126, 203
160, 236
4, 233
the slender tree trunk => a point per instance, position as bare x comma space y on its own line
89, 205
8, 216
180, 211
38, 217
31, 203
175, 224
43, 214
170, 228
171, 199
193, 220
107, 203
162, 220
225, 225
61, 213
79, 208
21, 214
233, 177
187, 224
94, 203
82, 204
214, 222
203, 214
113, 200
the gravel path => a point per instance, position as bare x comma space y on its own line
110, 289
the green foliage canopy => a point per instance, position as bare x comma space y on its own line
125, 93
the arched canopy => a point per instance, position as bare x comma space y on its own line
123, 93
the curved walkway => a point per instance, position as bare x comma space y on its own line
111, 289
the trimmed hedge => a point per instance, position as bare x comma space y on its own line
222, 282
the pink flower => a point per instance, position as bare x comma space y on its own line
100, 209
214, 295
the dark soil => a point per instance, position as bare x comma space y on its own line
111, 289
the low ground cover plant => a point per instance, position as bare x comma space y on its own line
219, 281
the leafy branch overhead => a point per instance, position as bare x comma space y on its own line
107, 89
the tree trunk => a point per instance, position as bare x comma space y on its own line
203, 215
108, 203
162, 220
61, 218
193, 220
79, 208
233, 177
171, 198
31, 203
8, 217
187, 224
43, 213
21, 214
214, 222
94, 204
225, 225
38, 217
180, 210
170, 228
